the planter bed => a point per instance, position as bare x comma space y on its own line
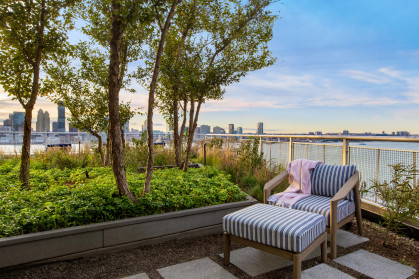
115, 235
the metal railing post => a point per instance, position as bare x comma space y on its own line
377, 173
345, 152
260, 145
414, 169
324, 153
205, 154
291, 150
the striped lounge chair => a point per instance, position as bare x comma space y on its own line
286, 232
334, 194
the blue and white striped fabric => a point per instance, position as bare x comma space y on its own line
283, 228
321, 205
326, 180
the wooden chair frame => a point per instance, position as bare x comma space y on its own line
297, 258
351, 184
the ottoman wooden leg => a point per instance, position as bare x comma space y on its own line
297, 266
227, 247
324, 251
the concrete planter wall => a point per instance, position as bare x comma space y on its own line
115, 235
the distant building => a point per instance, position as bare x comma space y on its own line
8, 122
205, 129
403, 133
126, 127
18, 118
42, 121
6, 128
144, 126
311, 133
345, 132
259, 128
71, 129
231, 128
239, 130
54, 127
218, 130
319, 133
61, 117
134, 131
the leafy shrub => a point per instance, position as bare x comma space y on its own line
64, 158
243, 162
61, 198
400, 196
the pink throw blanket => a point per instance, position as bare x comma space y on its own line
300, 183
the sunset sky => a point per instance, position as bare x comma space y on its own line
342, 65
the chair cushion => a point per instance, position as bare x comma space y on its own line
280, 227
321, 205
326, 180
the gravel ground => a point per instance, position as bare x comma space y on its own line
150, 258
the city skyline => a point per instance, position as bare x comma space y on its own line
341, 66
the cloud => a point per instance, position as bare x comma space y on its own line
366, 77
390, 72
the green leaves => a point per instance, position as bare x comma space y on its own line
64, 198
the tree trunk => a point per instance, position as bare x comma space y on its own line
26, 148
150, 141
191, 131
27, 124
99, 146
176, 139
113, 96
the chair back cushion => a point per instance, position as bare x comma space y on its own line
326, 180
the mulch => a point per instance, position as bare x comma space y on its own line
150, 258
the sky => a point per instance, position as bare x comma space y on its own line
341, 65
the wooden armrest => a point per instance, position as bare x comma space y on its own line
273, 183
346, 188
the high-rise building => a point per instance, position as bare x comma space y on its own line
54, 126
205, 129
18, 119
218, 130
345, 133
46, 121
61, 117
8, 122
144, 127
39, 121
319, 133
239, 131
231, 128
260, 128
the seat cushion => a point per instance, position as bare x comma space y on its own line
326, 180
321, 205
283, 228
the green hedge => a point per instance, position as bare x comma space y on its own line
64, 198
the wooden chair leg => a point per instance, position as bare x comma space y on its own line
297, 267
358, 210
324, 251
333, 231
227, 248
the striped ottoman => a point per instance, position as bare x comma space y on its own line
289, 233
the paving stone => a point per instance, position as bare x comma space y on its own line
255, 262
137, 276
324, 271
197, 269
375, 266
347, 239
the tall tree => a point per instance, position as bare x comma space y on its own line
32, 33
120, 27
83, 89
163, 20
229, 40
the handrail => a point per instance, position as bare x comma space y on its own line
353, 138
